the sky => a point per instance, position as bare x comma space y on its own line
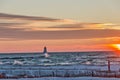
61, 25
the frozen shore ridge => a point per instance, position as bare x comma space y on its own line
58, 78
78, 72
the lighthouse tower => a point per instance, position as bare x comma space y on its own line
45, 52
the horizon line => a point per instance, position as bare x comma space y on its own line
55, 52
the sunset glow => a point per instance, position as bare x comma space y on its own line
116, 46
28, 25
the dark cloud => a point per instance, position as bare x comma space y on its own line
22, 34
24, 17
11, 24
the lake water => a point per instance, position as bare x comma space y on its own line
59, 58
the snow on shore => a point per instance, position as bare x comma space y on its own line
57, 78
54, 71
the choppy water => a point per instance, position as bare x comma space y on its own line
61, 58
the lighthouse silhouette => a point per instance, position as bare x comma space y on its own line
45, 52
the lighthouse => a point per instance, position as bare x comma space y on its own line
45, 52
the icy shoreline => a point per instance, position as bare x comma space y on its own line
9, 71
58, 78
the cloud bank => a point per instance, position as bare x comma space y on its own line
38, 28
70, 34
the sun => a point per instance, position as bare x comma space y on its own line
116, 46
